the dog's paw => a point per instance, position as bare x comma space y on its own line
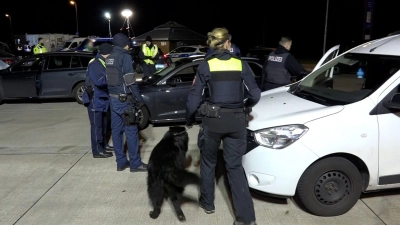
154, 214
182, 218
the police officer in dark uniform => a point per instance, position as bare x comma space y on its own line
234, 50
228, 79
125, 100
96, 99
280, 66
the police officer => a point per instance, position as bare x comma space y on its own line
39, 48
125, 100
149, 56
224, 119
234, 50
96, 99
280, 66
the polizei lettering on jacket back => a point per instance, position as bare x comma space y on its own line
276, 71
113, 78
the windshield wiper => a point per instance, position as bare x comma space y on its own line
312, 97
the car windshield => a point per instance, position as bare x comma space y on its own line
67, 44
347, 79
165, 71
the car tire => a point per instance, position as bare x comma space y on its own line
330, 187
144, 122
139, 68
77, 92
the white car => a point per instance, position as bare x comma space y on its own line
185, 52
328, 138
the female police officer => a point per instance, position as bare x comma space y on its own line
227, 78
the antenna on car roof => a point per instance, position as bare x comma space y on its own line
373, 49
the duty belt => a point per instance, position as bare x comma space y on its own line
116, 95
232, 110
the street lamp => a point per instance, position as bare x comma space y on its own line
127, 13
326, 24
12, 35
76, 14
108, 16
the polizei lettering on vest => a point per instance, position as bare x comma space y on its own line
109, 61
275, 58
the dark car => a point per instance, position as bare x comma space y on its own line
137, 62
260, 52
8, 57
47, 75
166, 92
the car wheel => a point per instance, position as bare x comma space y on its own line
330, 187
77, 93
139, 68
143, 115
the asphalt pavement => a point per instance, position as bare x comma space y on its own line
48, 176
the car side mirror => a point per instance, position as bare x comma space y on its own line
171, 82
394, 103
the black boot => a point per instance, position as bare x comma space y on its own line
103, 155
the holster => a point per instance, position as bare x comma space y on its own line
211, 111
130, 117
90, 91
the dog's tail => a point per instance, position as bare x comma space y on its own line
181, 178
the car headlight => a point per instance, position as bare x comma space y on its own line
280, 137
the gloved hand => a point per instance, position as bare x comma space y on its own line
189, 124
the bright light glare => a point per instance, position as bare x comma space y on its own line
108, 16
7, 15
126, 13
72, 2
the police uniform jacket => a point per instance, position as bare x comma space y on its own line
98, 81
289, 64
227, 88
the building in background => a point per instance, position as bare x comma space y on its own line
170, 36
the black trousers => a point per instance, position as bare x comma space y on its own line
231, 129
148, 69
98, 129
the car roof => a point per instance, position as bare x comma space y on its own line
65, 53
384, 46
194, 46
201, 57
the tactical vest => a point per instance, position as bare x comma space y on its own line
114, 73
226, 84
149, 52
276, 71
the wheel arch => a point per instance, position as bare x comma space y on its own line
358, 162
75, 84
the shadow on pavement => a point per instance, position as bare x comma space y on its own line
374, 194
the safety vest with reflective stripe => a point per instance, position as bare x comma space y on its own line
226, 84
149, 52
102, 62
39, 49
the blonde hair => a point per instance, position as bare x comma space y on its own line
217, 38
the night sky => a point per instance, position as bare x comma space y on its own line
249, 22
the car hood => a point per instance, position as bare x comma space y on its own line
278, 107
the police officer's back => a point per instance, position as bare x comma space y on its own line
227, 78
124, 100
280, 66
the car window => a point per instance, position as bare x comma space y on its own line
178, 50
189, 49
330, 57
27, 65
75, 63
74, 45
59, 62
5, 54
85, 61
346, 87
186, 75
204, 50
256, 68
67, 44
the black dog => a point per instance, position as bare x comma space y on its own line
167, 176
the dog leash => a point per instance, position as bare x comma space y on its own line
186, 129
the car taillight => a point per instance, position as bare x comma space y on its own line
165, 56
8, 61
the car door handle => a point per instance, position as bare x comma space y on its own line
71, 74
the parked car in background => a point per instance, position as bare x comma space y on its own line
260, 52
185, 52
8, 57
161, 63
47, 75
72, 43
4, 47
165, 93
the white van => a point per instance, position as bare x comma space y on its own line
72, 43
330, 137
